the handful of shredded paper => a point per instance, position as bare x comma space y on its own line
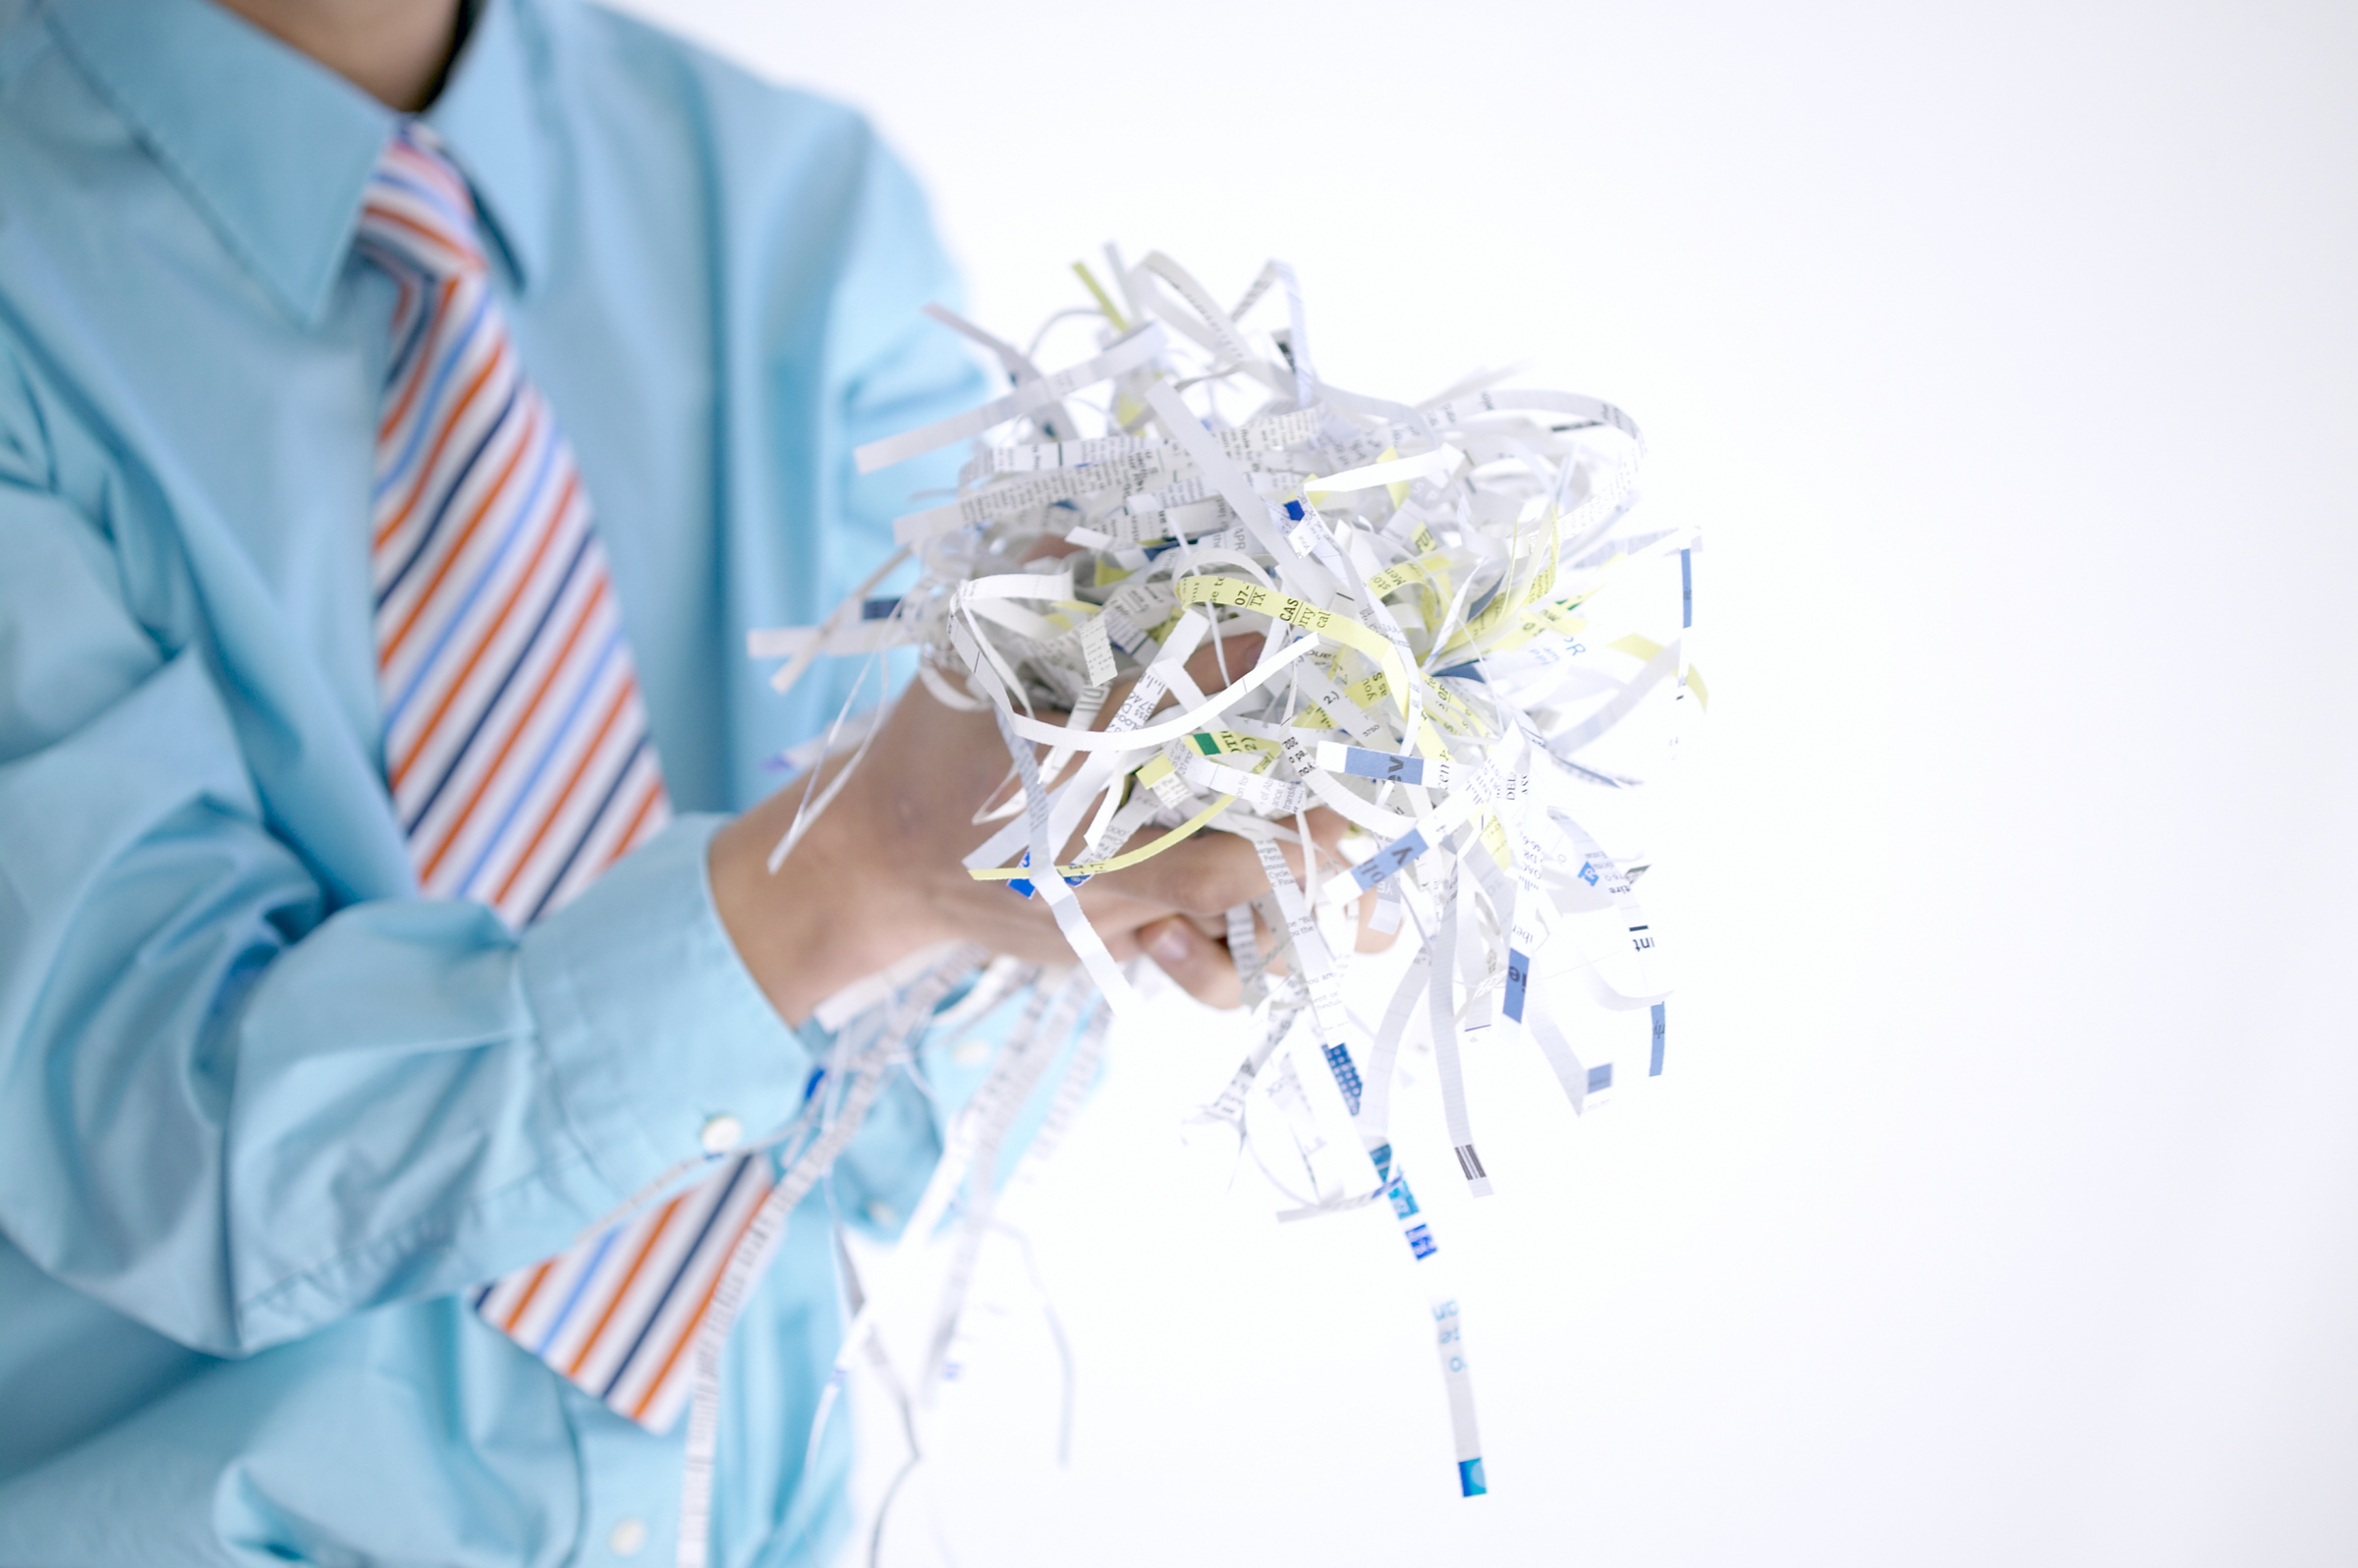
1471, 650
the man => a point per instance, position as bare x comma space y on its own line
405, 411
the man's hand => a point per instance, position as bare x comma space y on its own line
879, 875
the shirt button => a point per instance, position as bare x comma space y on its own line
722, 1133
628, 1538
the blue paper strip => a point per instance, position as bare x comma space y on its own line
1346, 1076
1388, 860
1518, 976
1023, 885
1386, 767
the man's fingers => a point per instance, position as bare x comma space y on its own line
1201, 966
1235, 653
1214, 871
1327, 829
1207, 875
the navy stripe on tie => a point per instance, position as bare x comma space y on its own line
524, 655
521, 792
433, 395
518, 516
422, 292
647, 1323
595, 817
433, 524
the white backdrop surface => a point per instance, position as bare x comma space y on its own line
2000, 1201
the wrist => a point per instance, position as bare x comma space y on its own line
824, 919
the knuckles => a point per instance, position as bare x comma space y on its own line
1208, 882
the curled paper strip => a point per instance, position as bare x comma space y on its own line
1473, 651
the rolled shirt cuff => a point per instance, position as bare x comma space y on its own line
651, 1026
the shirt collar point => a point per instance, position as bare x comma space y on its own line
488, 115
272, 147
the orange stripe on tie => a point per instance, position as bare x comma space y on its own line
687, 1336
662, 1223
523, 1302
437, 311
548, 678
557, 807
380, 214
450, 694
388, 646
450, 422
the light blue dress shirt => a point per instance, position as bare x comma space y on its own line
263, 1110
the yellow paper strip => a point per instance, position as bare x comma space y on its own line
1244, 596
1146, 852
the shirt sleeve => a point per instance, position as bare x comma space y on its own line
896, 367
234, 1120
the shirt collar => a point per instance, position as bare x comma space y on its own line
276, 150
488, 117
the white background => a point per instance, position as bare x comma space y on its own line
1997, 1207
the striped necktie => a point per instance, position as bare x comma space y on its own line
516, 743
